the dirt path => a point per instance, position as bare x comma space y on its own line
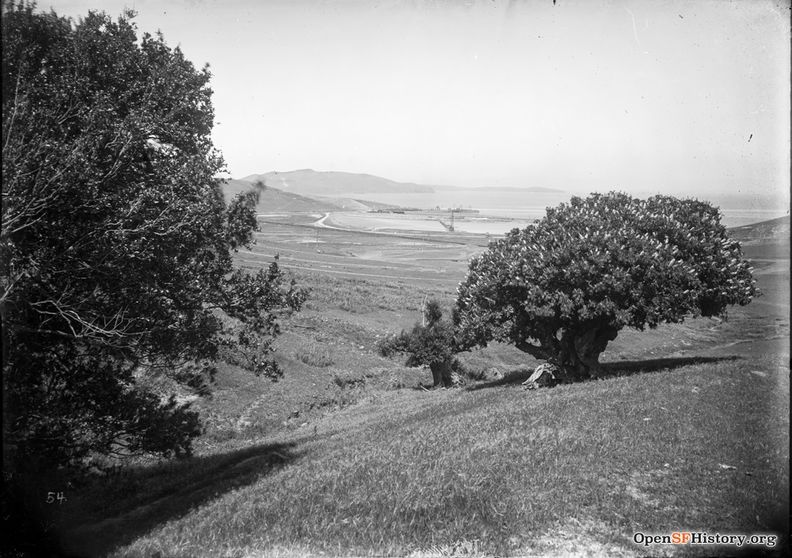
321, 223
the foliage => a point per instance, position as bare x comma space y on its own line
563, 288
428, 344
116, 243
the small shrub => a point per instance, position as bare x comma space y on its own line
337, 396
350, 304
316, 356
348, 382
429, 343
394, 381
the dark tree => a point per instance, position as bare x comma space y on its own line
563, 288
116, 243
430, 343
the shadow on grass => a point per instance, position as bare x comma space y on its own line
609, 369
114, 512
509, 378
630, 367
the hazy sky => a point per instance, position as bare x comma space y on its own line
681, 97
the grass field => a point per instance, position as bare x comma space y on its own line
349, 455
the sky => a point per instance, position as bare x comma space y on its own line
678, 97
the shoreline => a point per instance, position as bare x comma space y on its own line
483, 224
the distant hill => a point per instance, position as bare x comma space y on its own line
272, 200
773, 229
332, 183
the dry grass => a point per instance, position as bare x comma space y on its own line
346, 455
498, 471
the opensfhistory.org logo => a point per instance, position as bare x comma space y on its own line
700, 538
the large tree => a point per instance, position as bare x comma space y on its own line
116, 243
562, 288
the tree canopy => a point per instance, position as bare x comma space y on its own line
116, 242
561, 289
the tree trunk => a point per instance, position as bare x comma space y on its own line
580, 351
441, 373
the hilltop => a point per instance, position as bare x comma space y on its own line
333, 183
274, 200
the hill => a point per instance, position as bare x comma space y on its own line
332, 183
273, 200
494, 471
773, 229
764, 242
347, 455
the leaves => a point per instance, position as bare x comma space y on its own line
609, 260
427, 344
116, 243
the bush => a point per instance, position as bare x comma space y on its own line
316, 356
430, 343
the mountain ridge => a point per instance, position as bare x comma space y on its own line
339, 183
333, 183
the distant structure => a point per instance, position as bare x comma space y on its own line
449, 226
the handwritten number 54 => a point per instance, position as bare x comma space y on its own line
53, 497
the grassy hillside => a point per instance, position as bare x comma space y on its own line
772, 229
765, 241
272, 200
498, 470
348, 455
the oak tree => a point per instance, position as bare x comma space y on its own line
116, 243
564, 287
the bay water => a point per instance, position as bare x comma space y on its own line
502, 210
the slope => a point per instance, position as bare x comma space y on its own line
348, 456
273, 200
570, 470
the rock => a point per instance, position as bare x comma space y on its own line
457, 380
544, 375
